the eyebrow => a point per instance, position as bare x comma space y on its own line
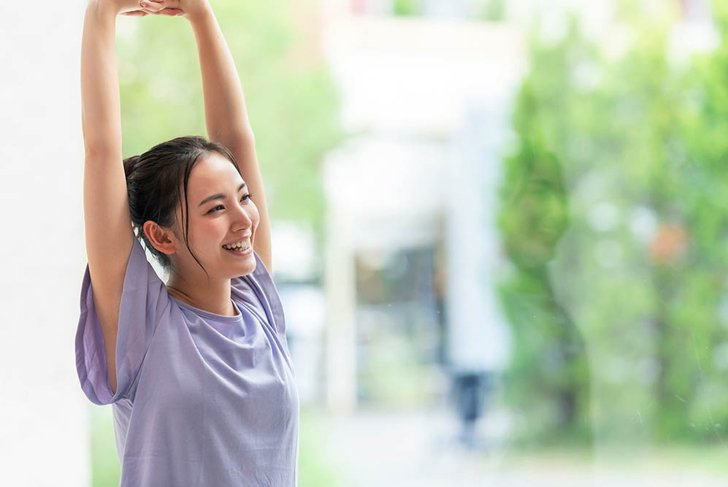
217, 196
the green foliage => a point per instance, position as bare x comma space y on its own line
290, 96
549, 375
105, 471
314, 469
534, 213
640, 142
406, 7
494, 10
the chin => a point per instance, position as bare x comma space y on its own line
246, 267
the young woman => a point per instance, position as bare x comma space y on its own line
197, 368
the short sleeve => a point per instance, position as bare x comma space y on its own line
259, 289
144, 302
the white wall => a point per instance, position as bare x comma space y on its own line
43, 427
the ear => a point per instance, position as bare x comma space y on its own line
161, 238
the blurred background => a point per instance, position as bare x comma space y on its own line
498, 233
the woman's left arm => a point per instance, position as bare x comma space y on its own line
226, 116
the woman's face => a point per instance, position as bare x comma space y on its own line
222, 221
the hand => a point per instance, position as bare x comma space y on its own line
189, 8
116, 7
194, 9
157, 7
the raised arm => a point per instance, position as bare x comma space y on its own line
226, 116
106, 212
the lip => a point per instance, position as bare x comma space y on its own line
244, 253
241, 254
241, 238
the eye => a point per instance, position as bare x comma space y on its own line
215, 209
245, 198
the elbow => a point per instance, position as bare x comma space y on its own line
97, 153
100, 148
100, 157
100, 142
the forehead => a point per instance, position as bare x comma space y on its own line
213, 173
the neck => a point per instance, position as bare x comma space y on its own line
211, 296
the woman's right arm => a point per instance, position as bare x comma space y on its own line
106, 212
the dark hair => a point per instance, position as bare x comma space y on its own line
157, 181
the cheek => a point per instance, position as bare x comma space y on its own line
201, 231
253, 214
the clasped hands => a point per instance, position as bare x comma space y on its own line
156, 7
140, 8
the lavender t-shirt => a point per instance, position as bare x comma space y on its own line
202, 399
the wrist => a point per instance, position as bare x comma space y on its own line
200, 16
102, 9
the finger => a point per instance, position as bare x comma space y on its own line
163, 7
135, 13
151, 6
171, 4
159, 5
172, 12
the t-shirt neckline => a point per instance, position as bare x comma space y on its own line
209, 314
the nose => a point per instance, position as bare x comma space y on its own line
242, 220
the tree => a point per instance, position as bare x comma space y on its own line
549, 367
641, 269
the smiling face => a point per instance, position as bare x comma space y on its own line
221, 223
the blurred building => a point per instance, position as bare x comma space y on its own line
412, 192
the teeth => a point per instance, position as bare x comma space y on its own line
242, 245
